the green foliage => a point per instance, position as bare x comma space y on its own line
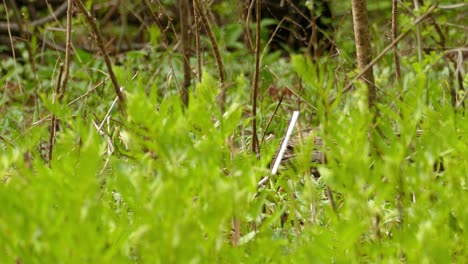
163, 183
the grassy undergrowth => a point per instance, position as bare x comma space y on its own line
163, 183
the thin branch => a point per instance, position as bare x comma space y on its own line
107, 115
313, 42
255, 145
197, 42
459, 73
247, 25
271, 119
17, 16
63, 87
36, 23
53, 120
396, 56
12, 46
6, 141
24, 33
217, 54
331, 199
38, 122
453, 6
298, 96
156, 19
185, 38
91, 21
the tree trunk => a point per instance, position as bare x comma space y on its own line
363, 46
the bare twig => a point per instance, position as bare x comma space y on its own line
242, 8
313, 42
156, 19
6, 141
53, 120
453, 6
255, 145
396, 56
99, 129
73, 101
247, 25
63, 87
185, 38
24, 33
100, 43
271, 119
330, 198
460, 72
298, 96
197, 41
12, 45
16, 27
16, 14
219, 62
309, 19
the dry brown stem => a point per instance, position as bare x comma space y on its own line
40, 121
12, 45
103, 50
185, 38
16, 27
64, 84
219, 62
255, 145
53, 120
396, 56
197, 42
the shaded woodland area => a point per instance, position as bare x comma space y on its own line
236, 131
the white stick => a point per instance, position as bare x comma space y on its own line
109, 111
284, 145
